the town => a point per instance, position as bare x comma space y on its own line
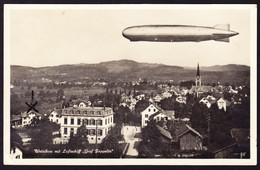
140, 119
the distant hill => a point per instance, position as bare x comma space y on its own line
128, 70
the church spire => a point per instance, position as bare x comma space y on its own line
198, 70
198, 78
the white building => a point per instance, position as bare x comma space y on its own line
150, 110
55, 116
181, 99
222, 104
163, 115
166, 94
28, 117
98, 121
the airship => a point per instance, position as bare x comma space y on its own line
178, 33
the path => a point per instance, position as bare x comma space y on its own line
130, 137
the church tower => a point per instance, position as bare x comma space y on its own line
198, 79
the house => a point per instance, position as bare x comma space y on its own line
188, 137
181, 99
175, 90
55, 116
158, 98
24, 119
166, 94
199, 90
208, 101
166, 136
222, 103
150, 110
98, 122
163, 115
140, 97
16, 121
237, 145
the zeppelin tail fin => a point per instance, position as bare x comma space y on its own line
223, 40
223, 27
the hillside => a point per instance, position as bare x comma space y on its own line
128, 70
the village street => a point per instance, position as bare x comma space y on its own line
132, 136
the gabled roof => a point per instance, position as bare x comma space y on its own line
59, 111
184, 128
16, 117
164, 132
25, 114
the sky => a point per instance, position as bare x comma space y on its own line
56, 35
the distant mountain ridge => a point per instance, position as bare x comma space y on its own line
128, 70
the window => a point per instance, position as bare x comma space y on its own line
105, 121
92, 112
65, 131
99, 113
72, 112
51, 115
100, 132
99, 122
108, 120
65, 121
57, 120
149, 110
154, 110
72, 121
79, 121
78, 112
146, 115
87, 121
146, 122
98, 138
65, 111
92, 132
93, 122
85, 112
72, 132
17, 157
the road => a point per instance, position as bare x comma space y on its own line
130, 137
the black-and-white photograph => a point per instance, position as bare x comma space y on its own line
142, 84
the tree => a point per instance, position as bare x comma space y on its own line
199, 117
80, 139
60, 94
168, 103
41, 133
187, 84
141, 105
111, 141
